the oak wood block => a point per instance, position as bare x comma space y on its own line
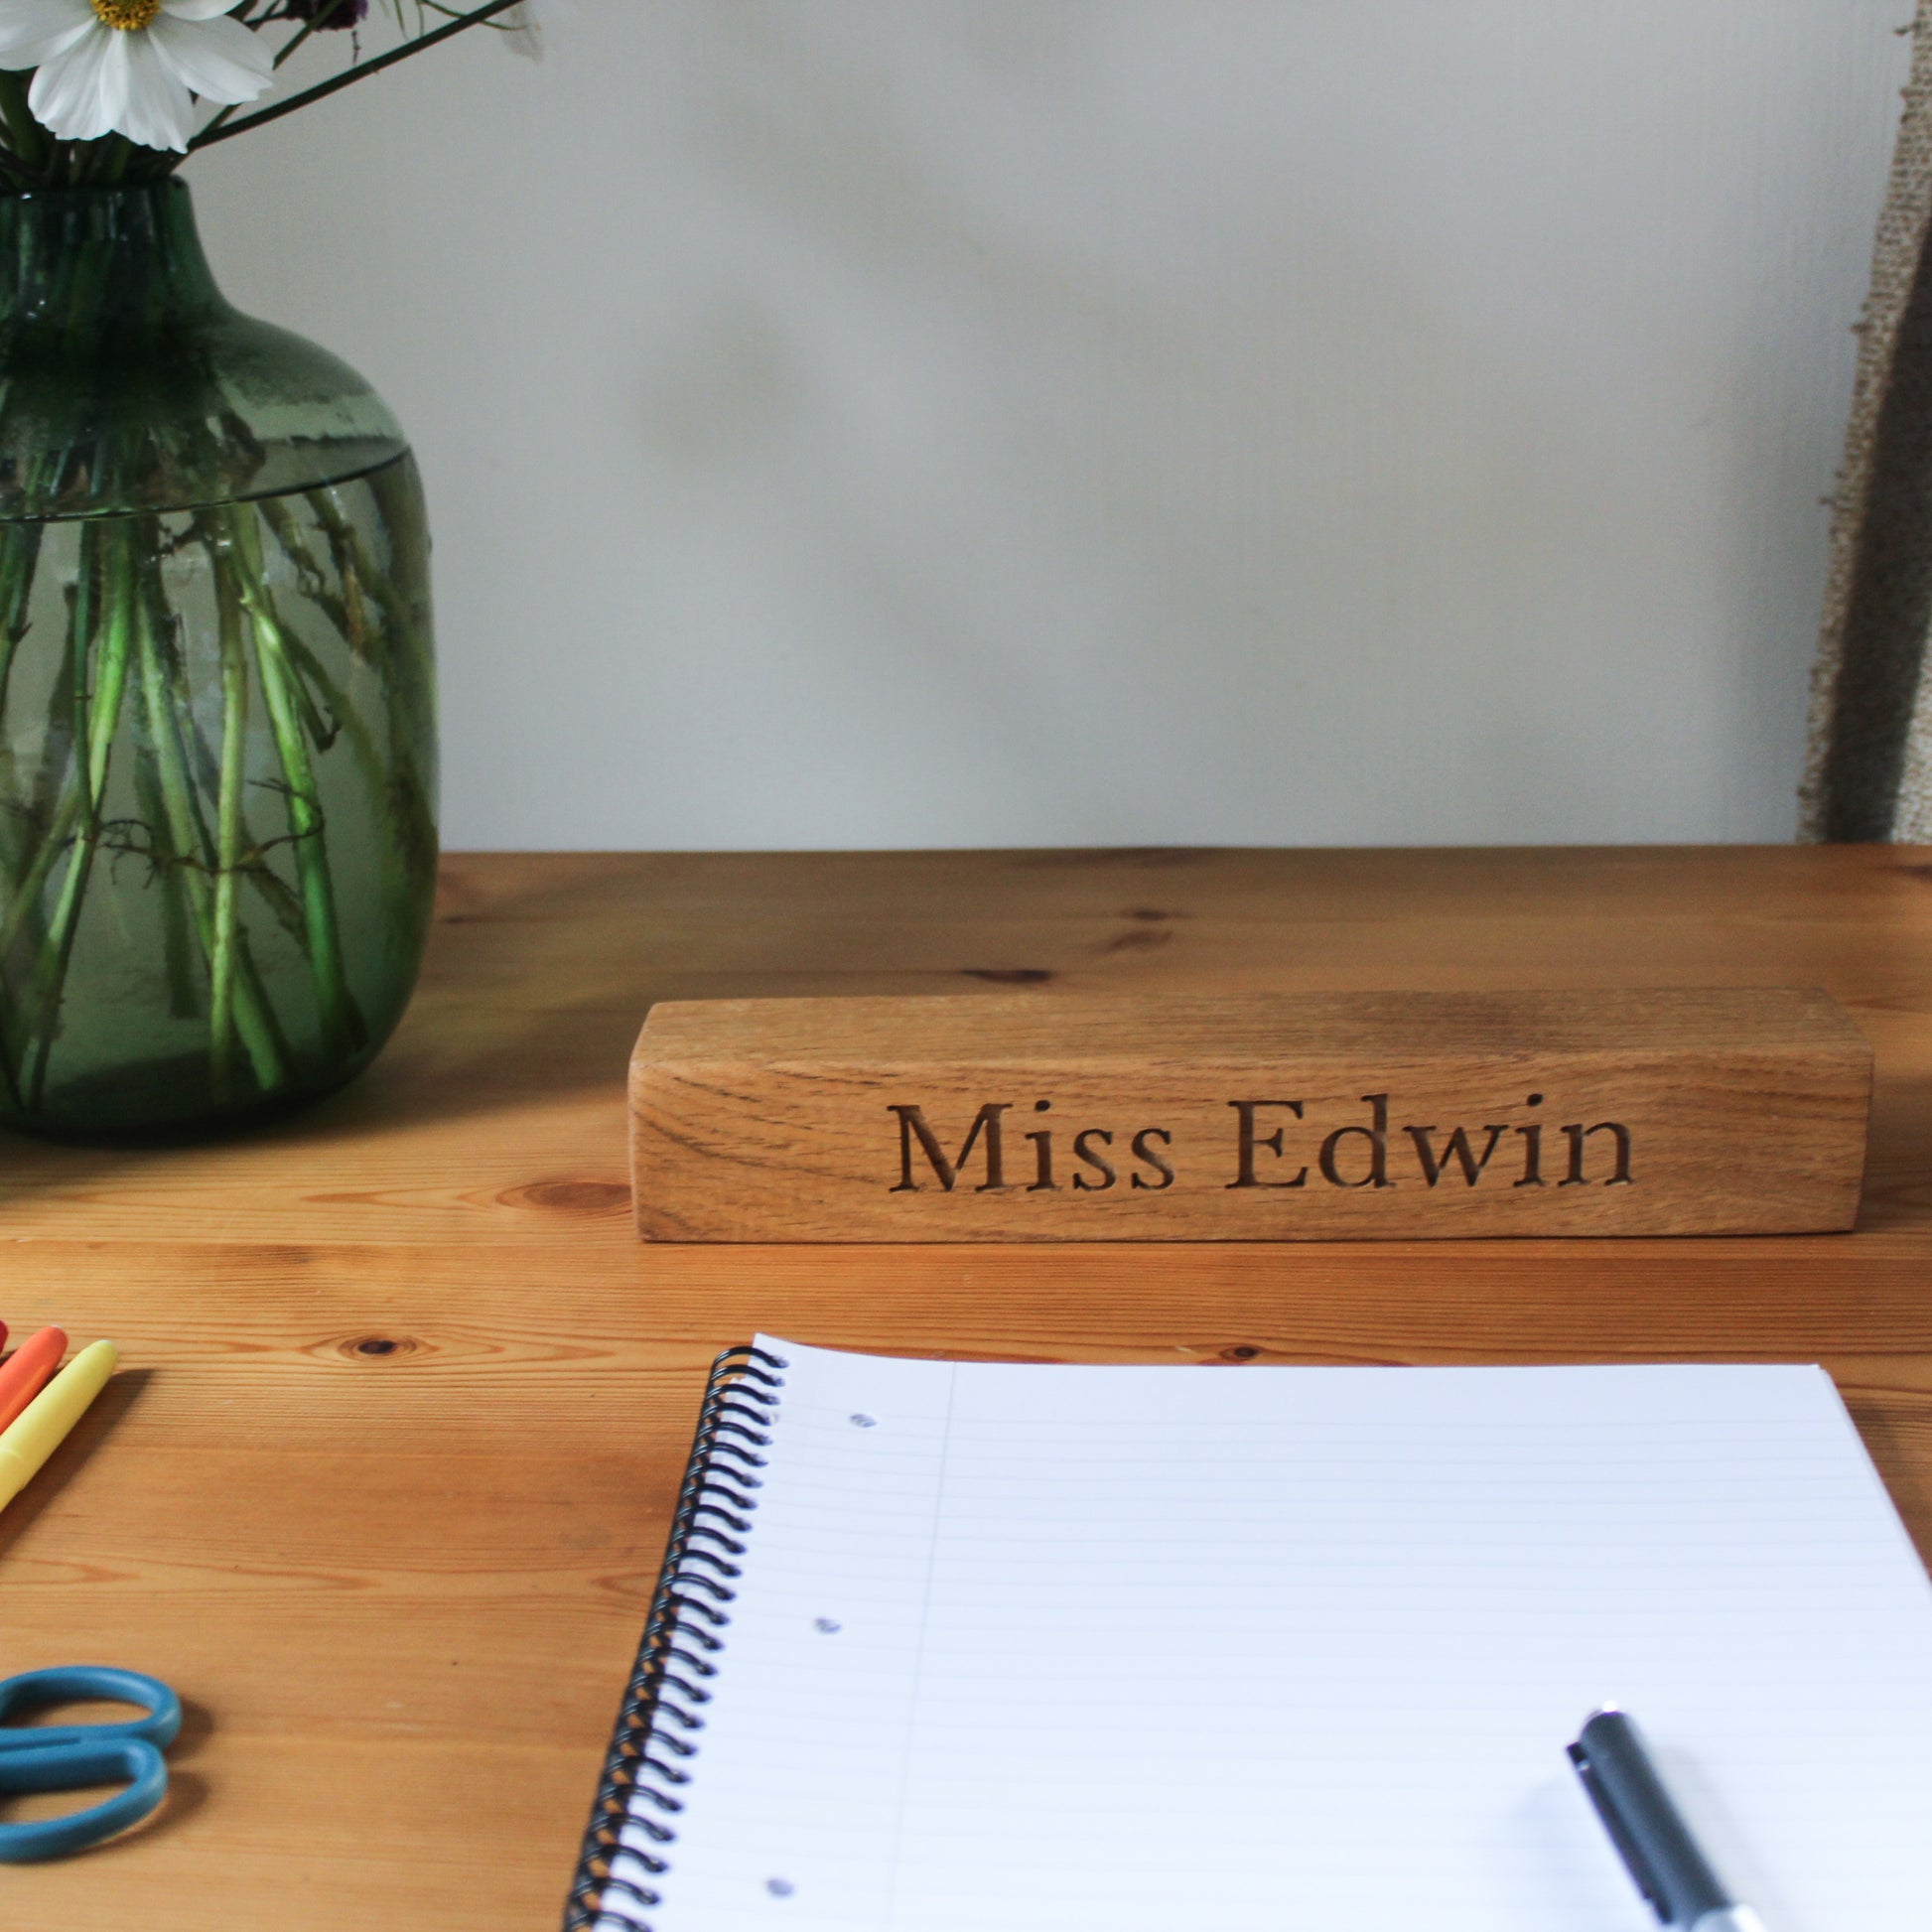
383, 1485
1249, 1117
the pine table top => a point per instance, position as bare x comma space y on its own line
383, 1485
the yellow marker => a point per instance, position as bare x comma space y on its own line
42, 1426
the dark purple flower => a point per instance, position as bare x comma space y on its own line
328, 15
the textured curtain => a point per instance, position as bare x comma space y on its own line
1869, 765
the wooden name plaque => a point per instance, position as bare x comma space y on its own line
1249, 1117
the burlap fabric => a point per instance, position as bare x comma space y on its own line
1868, 764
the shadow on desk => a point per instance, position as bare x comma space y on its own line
504, 1083
541, 967
124, 1389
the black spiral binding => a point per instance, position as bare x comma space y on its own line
637, 1797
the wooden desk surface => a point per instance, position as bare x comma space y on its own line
384, 1486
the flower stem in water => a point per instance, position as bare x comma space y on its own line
100, 655
238, 564
187, 846
228, 844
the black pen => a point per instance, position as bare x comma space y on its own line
1650, 1833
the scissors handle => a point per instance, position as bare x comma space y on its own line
67, 1768
35, 1689
66, 1757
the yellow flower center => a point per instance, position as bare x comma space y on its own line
127, 15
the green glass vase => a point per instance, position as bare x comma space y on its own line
217, 762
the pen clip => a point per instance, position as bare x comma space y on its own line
1619, 1834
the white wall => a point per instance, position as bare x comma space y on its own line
905, 422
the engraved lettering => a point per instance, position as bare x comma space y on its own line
1532, 1148
1097, 1162
1042, 1154
1263, 1154
1248, 1140
1142, 1152
1458, 1149
912, 1123
1377, 1137
1578, 1134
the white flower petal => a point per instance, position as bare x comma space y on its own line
158, 112
77, 95
199, 8
527, 25
520, 32
34, 31
220, 58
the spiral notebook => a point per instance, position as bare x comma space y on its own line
963, 1647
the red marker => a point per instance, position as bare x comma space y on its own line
27, 1370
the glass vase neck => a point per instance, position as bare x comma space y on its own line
128, 383
88, 259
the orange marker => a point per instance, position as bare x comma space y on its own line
27, 1370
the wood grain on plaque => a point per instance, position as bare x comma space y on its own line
1249, 1117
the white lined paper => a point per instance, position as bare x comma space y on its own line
1121, 1649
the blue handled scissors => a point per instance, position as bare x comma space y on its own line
66, 1757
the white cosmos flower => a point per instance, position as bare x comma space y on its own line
130, 66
